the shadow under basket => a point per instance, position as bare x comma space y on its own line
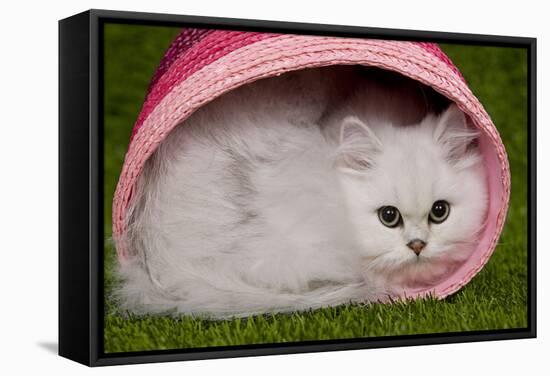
202, 64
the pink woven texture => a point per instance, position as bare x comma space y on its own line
186, 39
224, 60
185, 60
435, 50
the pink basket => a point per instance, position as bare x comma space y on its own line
201, 65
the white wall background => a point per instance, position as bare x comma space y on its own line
28, 185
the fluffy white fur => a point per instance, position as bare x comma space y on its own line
266, 200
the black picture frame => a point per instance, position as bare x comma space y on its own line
81, 187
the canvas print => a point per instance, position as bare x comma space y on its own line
267, 188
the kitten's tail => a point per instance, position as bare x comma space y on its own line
141, 295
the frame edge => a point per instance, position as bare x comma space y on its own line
74, 188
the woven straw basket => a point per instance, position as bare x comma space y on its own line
201, 65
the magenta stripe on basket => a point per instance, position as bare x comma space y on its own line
186, 39
211, 47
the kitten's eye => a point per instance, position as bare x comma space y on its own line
389, 216
440, 211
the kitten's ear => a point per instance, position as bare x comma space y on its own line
454, 134
358, 145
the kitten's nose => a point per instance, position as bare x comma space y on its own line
416, 245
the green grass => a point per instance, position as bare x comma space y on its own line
495, 299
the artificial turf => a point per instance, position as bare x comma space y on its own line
495, 299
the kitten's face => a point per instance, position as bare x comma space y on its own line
417, 198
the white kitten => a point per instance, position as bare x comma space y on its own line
281, 206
